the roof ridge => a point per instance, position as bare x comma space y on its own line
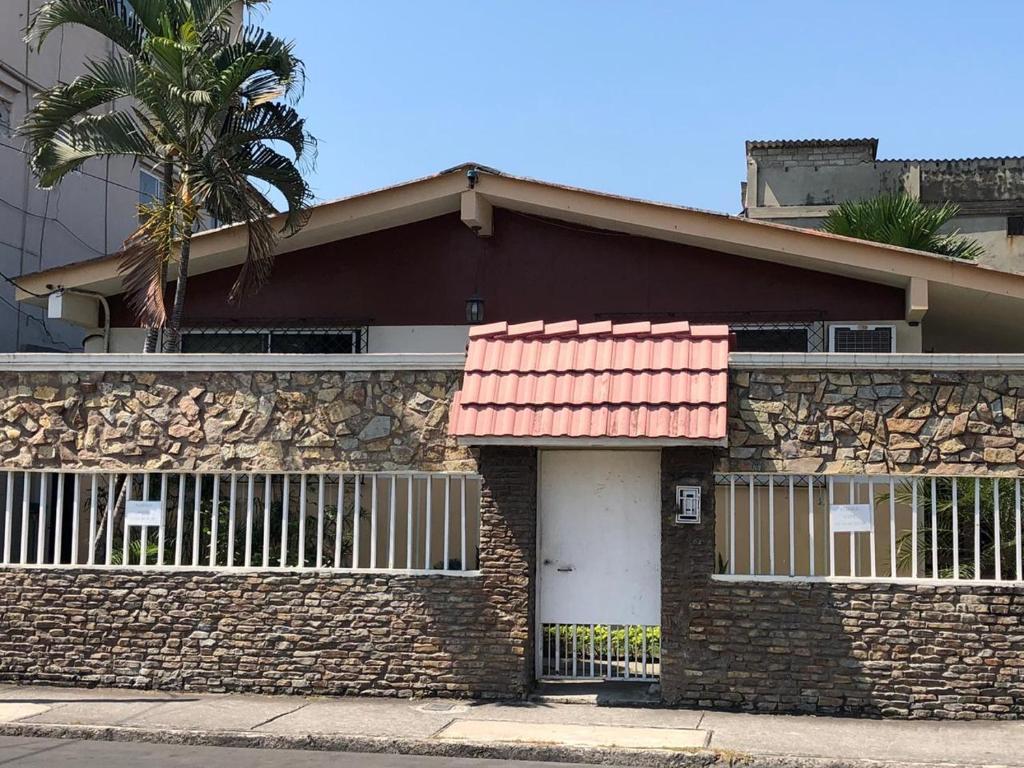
573, 328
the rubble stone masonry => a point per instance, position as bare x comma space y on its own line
371, 420
884, 421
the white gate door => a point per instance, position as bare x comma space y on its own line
600, 563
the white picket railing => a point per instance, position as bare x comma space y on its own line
771, 526
600, 651
223, 520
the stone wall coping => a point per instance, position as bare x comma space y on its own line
448, 361
241, 570
894, 361
866, 581
116, 362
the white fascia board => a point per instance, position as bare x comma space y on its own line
876, 361
84, 361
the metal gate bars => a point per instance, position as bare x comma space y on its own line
600, 652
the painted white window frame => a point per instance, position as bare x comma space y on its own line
860, 327
145, 197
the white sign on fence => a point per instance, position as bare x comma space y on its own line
851, 518
144, 513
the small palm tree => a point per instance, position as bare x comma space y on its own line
195, 99
995, 497
899, 219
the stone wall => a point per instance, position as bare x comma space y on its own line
387, 635
377, 420
799, 420
889, 650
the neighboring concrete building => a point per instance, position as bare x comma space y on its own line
92, 211
583, 485
798, 182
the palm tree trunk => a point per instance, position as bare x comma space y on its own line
153, 332
152, 335
172, 332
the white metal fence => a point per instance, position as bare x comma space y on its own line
342, 521
600, 651
875, 527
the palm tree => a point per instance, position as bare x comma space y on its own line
196, 100
899, 219
987, 498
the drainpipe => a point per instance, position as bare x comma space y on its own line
102, 300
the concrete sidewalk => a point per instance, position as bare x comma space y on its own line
536, 731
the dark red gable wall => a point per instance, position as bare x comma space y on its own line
422, 274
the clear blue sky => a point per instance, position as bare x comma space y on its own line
649, 99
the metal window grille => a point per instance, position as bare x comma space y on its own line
905, 527
754, 331
866, 338
779, 337
283, 340
219, 520
1014, 226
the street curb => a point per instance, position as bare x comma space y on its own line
702, 758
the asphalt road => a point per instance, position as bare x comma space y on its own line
45, 753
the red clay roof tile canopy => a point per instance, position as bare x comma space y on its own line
666, 382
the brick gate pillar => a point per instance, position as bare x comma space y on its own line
687, 562
508, 556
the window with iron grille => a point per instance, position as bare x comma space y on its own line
777, 338
753, 331
771, 339
863, 338
1014, 226
308, 341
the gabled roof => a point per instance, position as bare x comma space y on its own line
965, 286
542, 382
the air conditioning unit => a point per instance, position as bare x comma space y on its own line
862, 338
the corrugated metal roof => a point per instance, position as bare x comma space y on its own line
780, 143
594, 380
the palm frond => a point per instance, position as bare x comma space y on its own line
58, 106
146, 255
109, 18
114, 133
898, 219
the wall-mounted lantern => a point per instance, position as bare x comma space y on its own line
474, 310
